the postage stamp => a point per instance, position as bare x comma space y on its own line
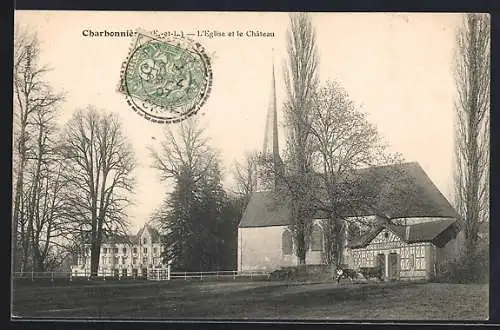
166, 79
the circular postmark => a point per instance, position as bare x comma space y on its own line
166, 80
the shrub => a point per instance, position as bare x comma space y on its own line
302, 273
468, 268
284, 274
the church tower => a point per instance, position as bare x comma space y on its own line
271, 145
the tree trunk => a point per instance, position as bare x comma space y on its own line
35, 192
301, 247
95, 251
19, 192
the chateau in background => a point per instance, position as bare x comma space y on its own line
131, 256
425, 230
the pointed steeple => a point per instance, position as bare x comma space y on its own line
271, 144
271, 131
276, 152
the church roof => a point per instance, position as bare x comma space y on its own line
438, 232
264, 210
424, 199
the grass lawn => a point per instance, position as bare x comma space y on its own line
180, 299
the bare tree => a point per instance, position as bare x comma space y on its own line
100, 165
185, 148
472, 77
33, 100
44, 186
345, 142
301, 80
246, 176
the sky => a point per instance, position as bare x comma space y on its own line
397, 67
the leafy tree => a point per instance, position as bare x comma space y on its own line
195, 214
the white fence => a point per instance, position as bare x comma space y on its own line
153, 274
42, 275
227, 274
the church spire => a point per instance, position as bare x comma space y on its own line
271, 144
276, 154
271, 132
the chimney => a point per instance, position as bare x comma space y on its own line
407, 233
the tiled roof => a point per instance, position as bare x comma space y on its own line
423, 199
112, 238
153, 233
431, 231
264, 210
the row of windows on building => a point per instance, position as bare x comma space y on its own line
316, 243
124, 272
410, 258
124, 260
125, 250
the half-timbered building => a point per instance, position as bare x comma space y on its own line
412, 251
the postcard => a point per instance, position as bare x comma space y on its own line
250, 166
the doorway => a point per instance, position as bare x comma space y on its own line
393, 266
381, 265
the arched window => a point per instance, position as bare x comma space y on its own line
287, 243
317, 238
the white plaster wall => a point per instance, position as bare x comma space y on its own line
260, 249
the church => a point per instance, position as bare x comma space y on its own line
424, 230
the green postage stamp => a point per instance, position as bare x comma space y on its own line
166, 80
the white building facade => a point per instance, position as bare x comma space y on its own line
133, 256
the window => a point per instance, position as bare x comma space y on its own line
104, 250
124, 272
317, 239
419, 257
405, 259
287, 242
135, 250
413, 258
144, 260
135, 261
144, 240
155, 251
115, 250
135, 272
124, 250
145, 250
155, 261
116, 260
124, 259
